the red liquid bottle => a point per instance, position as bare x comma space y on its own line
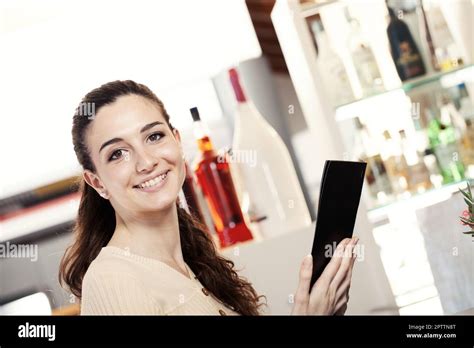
213, 175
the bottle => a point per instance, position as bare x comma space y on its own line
395, 164
468, 147
334, 74
214, 177
265, 170
418, 174
376, 172
429, 39
191, 195
446, 51
364, 60
442, 138
431, 163
465, 103
405, 53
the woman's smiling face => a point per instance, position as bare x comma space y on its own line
138, 158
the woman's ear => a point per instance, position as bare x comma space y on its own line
94, 181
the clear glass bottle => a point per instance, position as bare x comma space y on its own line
364, 60
446, 50
418, 174
265, 170
376, 174
395, 163
331, 67
424, 27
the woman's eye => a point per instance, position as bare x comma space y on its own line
156, 136
115, 155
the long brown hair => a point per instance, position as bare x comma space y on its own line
95, 223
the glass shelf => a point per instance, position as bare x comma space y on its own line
424, 80
447, 188
417, 82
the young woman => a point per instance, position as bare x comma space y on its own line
135, 250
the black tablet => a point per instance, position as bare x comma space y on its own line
341, 187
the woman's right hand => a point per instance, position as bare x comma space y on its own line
330, 293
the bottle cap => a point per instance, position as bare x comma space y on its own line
195, 114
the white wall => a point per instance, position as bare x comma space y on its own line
53, 52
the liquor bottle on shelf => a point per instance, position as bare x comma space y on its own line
443, 141
418, 174
431, 163
376, 172
363, 57
334, 74
463, 132
191, 195
265, 170
214, 177
395, 164
424, 27
404, 50
422, 146
468, 147
446, 50
464, 102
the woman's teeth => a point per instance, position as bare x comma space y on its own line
154, 181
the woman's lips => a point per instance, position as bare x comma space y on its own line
156, 186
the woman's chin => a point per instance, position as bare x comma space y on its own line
157, 201
156, 207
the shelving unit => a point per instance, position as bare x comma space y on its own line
332, 133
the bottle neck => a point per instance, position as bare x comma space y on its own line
202, 137
246, 112
237, 87
205, 144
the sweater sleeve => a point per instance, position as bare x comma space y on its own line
115, 293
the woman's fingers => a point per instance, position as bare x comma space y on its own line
346, 283
333, 266
341, 310
302, 293
341, 307
346, 263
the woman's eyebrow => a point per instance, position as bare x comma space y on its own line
116, 140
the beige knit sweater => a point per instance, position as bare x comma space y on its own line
119, 282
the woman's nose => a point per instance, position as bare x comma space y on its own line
146, 161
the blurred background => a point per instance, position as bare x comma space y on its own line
387, 82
